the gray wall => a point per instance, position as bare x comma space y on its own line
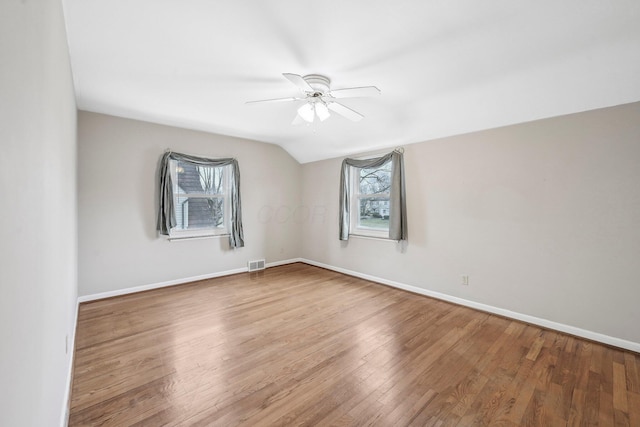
118, 244
38, 259
544, 217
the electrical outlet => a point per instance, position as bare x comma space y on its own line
465, 280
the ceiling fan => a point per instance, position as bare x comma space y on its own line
320, 98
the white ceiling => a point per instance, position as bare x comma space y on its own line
443, 67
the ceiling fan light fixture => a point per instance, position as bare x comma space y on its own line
307, 112
319, 98
322, 111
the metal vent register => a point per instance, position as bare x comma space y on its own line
256, 265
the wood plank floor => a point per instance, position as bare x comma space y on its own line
299, 345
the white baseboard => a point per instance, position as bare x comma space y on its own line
572, 330
118, 292
583, 333
64, 416
285, 262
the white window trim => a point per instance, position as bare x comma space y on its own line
177, 234
181, 239
359, 236
354, 201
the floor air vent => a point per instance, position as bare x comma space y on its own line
256, 265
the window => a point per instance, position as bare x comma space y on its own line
370, 195
200, 199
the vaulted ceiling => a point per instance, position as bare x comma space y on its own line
443, 67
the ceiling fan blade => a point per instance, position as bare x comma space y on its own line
274, 100
298, 120
345, 111
354, 92
299, 82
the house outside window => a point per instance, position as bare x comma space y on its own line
201, 199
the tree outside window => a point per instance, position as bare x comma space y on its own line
372, 197
373, 189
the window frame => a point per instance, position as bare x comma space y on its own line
179, 233
355, 196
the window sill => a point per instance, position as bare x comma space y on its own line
207, 236
361, 236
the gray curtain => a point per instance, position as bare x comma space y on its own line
166, 213
397, 202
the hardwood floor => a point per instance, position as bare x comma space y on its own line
299, 345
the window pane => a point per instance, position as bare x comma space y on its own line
199, 212
192, 178
376, 180
373, 212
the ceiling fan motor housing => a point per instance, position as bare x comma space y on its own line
319, 83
